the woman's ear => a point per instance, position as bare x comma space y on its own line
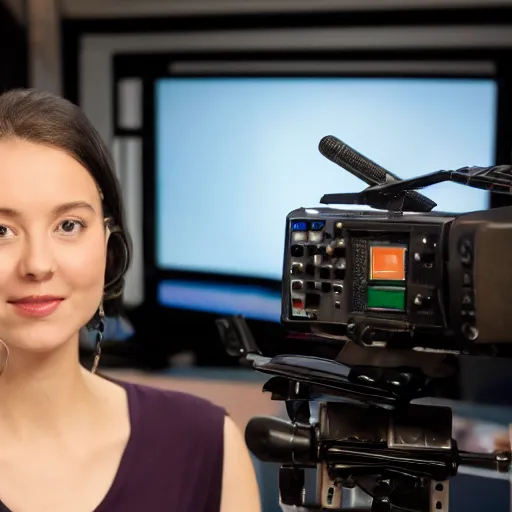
108, 232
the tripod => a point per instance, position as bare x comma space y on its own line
372, 449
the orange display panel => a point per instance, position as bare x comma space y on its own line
387, 263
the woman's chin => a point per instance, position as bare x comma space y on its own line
43, 342
41, 337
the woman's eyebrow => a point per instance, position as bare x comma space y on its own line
58, 210
74, 205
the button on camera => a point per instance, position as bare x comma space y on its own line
467, 299
297, 250
466, 252
297, 285
469, 331
297, 268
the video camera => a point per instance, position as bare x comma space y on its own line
389, 297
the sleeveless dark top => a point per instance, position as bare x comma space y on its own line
173, 459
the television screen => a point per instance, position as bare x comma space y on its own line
234, 155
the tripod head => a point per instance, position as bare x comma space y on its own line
357, 426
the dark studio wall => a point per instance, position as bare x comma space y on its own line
13, 51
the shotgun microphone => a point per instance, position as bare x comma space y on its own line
368, 171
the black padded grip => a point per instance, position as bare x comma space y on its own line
368, 171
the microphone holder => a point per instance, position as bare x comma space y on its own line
356, 426
394, 195
370, 172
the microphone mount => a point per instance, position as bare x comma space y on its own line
388, 192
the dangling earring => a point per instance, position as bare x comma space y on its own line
5, 360
99, 337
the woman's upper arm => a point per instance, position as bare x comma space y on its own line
239, 485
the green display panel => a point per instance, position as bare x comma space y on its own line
382, 297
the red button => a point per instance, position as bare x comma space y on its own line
298, 304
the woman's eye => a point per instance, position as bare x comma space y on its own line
71, 226
5, 232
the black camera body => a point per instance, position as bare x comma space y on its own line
419, 281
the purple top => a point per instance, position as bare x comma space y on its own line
173, 459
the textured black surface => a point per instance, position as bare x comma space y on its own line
359, 249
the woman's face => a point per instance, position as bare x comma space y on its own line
52, 246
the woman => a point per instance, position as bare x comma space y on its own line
72, 441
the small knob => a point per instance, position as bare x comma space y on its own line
470, 332
421, 301
466, 252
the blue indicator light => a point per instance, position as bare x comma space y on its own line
299, 226
317, 225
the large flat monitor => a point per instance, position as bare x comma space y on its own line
235, 154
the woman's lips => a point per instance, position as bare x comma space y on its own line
36, 307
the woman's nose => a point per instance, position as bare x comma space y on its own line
37, 260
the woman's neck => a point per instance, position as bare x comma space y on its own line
47, 392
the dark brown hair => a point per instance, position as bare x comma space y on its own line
44, 118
